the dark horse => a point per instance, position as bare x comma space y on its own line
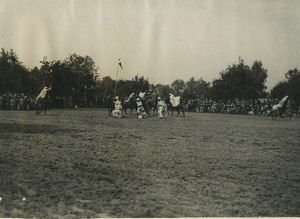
41, 105
110, 105
179, 107
129, 103
151, 105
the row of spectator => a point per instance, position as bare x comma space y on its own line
249, 107
13, 101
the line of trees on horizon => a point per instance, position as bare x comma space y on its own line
76, 80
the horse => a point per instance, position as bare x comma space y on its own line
130, 103
151, 104
41, 105
175, 103
280, 109
146, 101
110, 105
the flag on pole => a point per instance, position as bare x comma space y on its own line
120, 64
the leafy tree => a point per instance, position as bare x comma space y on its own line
139, 84
259, 76
37, 80
105, 87
163, 90
240, 81
14, 76
136, 85
84, 75
178, 87
104, 90
63, 80
196, 89
290, 86
280, 90
73, 79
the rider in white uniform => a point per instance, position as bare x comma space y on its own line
43, 93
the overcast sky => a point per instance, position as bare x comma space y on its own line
163, 40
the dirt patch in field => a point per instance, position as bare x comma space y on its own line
82, 163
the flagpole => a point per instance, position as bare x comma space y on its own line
116, 80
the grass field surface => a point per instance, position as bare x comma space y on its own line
83, 163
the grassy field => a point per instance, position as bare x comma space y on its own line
82, 163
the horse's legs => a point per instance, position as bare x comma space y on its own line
273, 115
38, 108
45, 108
125, 110
182, 110
281, 114
155, 111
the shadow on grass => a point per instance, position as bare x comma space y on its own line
31, 128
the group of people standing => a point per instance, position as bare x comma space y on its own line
14, 101
161, 107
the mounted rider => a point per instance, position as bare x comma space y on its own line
41, 101
131, 96
281, 106
42, 94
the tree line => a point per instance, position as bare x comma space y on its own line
76, 80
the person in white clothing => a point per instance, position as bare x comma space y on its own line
141, 112
162, 108
117, 112
43, 93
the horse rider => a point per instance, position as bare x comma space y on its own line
42, 94
281, 105
131, 96
279, 109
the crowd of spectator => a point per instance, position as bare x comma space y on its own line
20, 101
14, 101
260, 107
